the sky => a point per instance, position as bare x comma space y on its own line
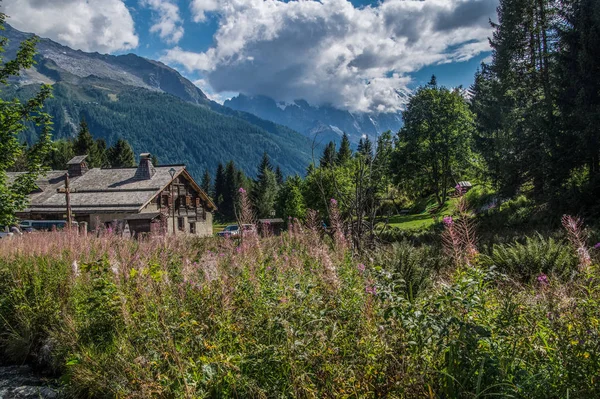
362, 56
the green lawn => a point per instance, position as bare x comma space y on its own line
411, 222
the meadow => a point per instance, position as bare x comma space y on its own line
300, 315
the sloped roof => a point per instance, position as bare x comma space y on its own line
103, 190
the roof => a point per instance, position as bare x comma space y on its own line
104, 190
464, 184
77, 160
143, 216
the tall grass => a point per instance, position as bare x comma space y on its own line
291, 316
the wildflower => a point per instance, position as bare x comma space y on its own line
448, 221
333, 201
543, 279
242, 191
370, 289
597, 246
361, 267
75, 267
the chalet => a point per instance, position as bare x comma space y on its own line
147, 198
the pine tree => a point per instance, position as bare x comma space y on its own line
219, 188
345, 152
121, 155
230, 193
206, 182
102, 160
264, 166
84, 144
329, 156
154, 160
365, 148
279, 176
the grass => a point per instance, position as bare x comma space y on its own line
423, 220
297, 316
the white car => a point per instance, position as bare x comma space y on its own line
5, 234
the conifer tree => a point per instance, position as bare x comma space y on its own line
264, 188
329, 156
84, 144
279, 176
219, 188
121, 155
206, 182
345, 152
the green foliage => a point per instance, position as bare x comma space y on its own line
14, 115
290, 202
345, 152
328, 159
121, 155
535, 256
290, 317
433, 148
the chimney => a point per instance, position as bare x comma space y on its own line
145, 169
77, 166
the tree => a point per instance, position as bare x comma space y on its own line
279, 176
121, 155
84, 144
434, 144
60, 153
329, 156
101, 159
290, 202
206, 182
345, 152
230, 192
154, 160
383, 158
264, 188
13, 117
365, 148
219, 188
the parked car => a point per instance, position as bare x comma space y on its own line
233, 230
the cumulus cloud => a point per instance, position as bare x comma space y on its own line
168, 22
330, 52
89, 25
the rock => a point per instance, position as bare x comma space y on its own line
20, 382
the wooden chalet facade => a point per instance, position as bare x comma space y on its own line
148, 198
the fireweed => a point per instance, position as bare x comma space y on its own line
296, 315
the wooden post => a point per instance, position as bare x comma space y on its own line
68, 199
173, 206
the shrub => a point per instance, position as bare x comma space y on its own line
535, 256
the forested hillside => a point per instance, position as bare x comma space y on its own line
172, 129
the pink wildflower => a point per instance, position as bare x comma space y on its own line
370, 289
448, 221
543, 279
333, 201
597, 246
241, 190
361, 267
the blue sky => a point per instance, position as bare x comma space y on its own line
356, 55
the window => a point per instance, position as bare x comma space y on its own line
181, 224
193, 228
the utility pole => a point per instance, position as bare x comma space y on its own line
68, 199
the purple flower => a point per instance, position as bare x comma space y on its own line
370, 289
543, 279
333, 201
242, 191
597, 246
361, 267
448, 221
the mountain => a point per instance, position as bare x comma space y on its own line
322, 123
153, 107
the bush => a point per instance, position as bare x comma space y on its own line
535, 256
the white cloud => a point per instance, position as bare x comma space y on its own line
89, 25
220, 98
199, 8
168, 23
331, 52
